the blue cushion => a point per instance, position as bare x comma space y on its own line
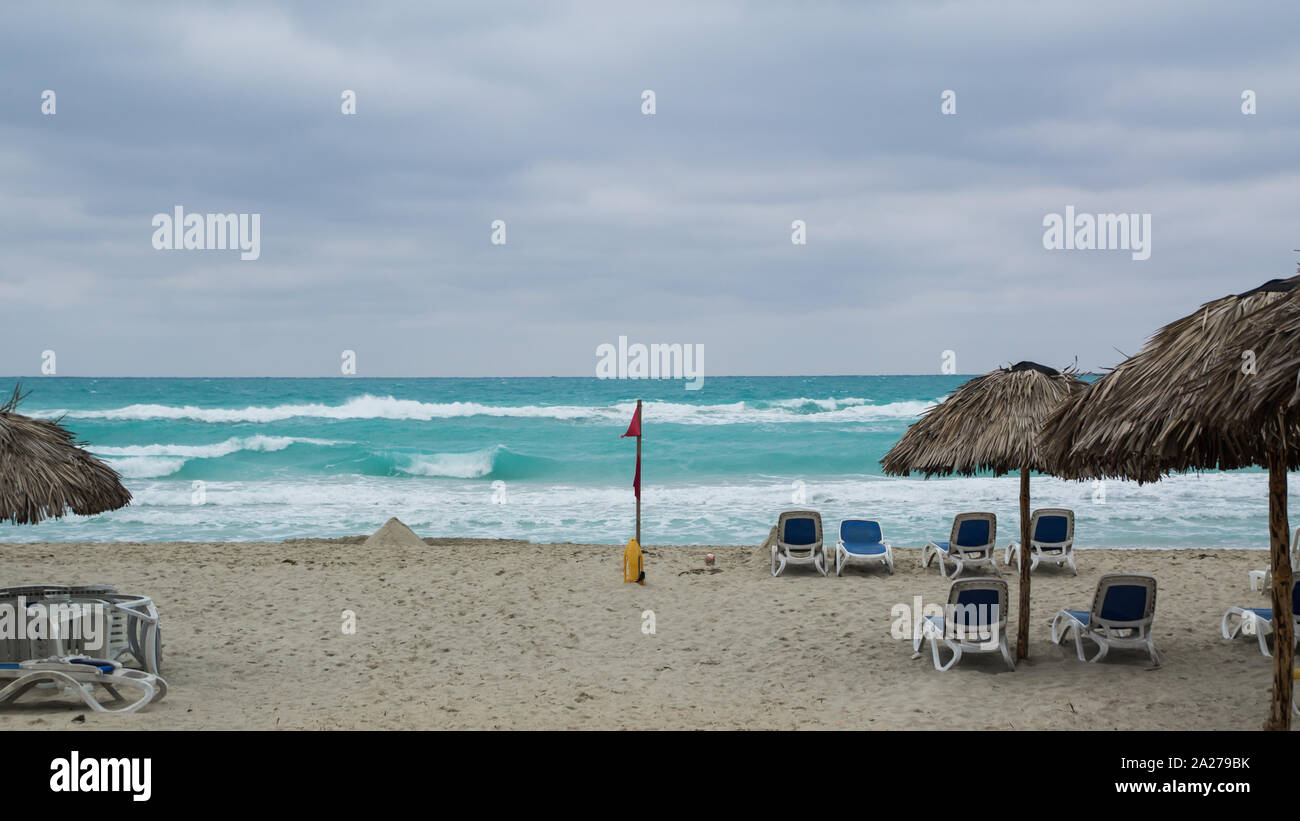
941, 545
1081, 615
864, 549
1265, 613
1124, 602
104, 666
984, 599
973, 533
1051, 529
860, 531
10, 665
800, 532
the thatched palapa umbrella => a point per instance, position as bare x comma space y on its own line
44, 473
990, 423
1214, 389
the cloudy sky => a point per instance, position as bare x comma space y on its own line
924, 230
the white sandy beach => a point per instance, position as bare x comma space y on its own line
505, 634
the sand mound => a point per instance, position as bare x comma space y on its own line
394, 536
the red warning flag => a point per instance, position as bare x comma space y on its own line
634, 429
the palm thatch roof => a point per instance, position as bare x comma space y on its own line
990, 423
1258, 379
44, 473
1184, 402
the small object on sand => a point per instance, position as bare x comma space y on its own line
394, 535
708, 559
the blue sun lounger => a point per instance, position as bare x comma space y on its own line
974, 621
1051, 539
1123, 609
1257, 620
862, 541
798, 541
971, 544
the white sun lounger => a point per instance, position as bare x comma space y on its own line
1051, 539
1123, 609
972, 543
1257, 620
1262, 580
798, 541
80, 677
974, 621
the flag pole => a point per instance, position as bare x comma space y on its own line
638, 462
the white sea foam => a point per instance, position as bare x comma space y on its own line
471, 465
217, 449
388, 407
825, 404
1207, 511
158, 460
146, 467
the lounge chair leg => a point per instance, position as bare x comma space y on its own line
1223, 628
16, 690
956, 656
1006, 651
1103, 649
1261, 632
934, 648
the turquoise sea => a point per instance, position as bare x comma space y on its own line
541, 459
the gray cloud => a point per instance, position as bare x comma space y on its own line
924, 231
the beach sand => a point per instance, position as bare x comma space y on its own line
507, 634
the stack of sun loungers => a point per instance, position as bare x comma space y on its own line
70, 658
133, 627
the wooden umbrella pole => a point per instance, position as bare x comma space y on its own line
1022, 621
1279, 716
638, 465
